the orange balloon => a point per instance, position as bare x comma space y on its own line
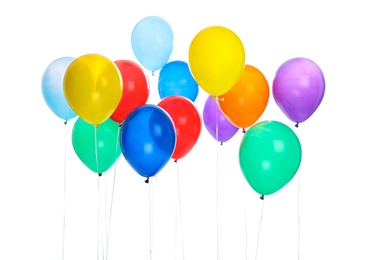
246, 101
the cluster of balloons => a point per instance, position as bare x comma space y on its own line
110, 98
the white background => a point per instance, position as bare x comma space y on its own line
36, 150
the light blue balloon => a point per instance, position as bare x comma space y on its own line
52, 88
175, 79
152, 42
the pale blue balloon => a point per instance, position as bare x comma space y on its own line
52, 88
152, 42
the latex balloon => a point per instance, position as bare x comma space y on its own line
175, 79
52, 88
152, 42
93, 87
298, 88
148, 139
246, 101
218, 126
216, 59
135, 89
187, 123
269, 155
97, 147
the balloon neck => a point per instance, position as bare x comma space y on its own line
153, 73
175, 160
99, 174
96, 125
243, 130
147, 180
297, 125
262, 197
120, 124
221, 143
65, 122
214, 98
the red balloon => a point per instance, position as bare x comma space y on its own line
187, 121
135, 89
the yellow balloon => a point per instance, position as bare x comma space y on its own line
216, 59
93, 87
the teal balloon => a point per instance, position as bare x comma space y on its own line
269, 155
152, 42
97, 146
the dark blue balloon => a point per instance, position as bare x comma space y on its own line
148, 139
176, 79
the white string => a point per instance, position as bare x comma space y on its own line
150, 185
258, 235
245, 211
179, 215
298, 217
64, 193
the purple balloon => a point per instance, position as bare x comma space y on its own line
218, 126
298, 88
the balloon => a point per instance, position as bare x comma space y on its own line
93, 87
269, 155
298, 88
187, 123
152, 42
175, 79
216, 59
246, 101
52, 88
98, 158
135, 89
218, 126
148, 139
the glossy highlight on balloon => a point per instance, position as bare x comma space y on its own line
93, 87
52, 88
216, 59
298, 88
152, 42
148, 139
270, 154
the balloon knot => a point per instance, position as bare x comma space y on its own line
147, 180
175, 160
243, 130
297, 125
96, 125
120, 124
262, 197
214, 97
65, 122
221, 143
100, 174
153, 73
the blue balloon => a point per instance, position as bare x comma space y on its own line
175, 79
152, 42
148, 139
52, 88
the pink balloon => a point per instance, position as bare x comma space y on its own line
298, 88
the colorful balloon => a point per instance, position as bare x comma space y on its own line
97, 147
93, 87
148, 139
246, 101
298, 88
135, 89
216, 59
152, 42
218, 126
269, 155
187, 123
175, 79
52, 88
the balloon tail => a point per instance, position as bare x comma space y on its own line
262, 197
153, 73
100, 174
147, 180
221, 143
65, 122
297, 125
243, 130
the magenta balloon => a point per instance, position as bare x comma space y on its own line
298, 88
218, 126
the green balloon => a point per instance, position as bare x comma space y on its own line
101, 157
270, 154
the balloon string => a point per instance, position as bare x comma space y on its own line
245, 214
178, 215
151, 215
64, 193
298, 217
258, 235
218, 206
112, 195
